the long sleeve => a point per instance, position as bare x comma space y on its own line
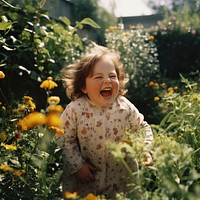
69, 141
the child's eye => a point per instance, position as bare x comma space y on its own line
98, 77
113, 76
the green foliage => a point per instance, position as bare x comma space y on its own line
33, 47
139, 57
30, 160
172, 175
183, 118
90, 8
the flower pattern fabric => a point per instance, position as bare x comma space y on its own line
87, 128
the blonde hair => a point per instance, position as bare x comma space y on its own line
74, 76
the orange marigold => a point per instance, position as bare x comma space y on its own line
151, 37
156, 98
31, 120
2, 75
53, 119
170, 89
69, 195
90, 196
151, 83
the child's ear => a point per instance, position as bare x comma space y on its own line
84, 90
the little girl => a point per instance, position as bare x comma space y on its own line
97, 113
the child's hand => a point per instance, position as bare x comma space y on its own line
149, 160
85, 174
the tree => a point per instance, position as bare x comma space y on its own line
90, 8
161, 6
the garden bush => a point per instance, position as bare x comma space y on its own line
139, 57
33, 46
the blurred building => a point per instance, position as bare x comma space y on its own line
146, 20
57, 8
64, 8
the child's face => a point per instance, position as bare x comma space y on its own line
102, 87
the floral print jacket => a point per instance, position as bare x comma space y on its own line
87, 128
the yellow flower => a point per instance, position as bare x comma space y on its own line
53, 100
90, 196
151, 83
151, 37
10, 147
170, 89
2, 75
167, 105
176, 88
107, 30
125, 140
3, 136
55, 108
126, 33
184, 93
163, 85
35, 119
22, 124
31, 105
156, 84
70, 195
29, 102
132, 27
6, 168
15, 110
27, 98
113, 28
22, 107
18, 172
58, 131
48, 84
138, 149
156, 98
54, 120
31, 120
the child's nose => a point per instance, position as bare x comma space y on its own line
107, 79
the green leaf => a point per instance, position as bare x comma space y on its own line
45, 16
79, 25
4, 24
65, 20
90, 22
10, 5
171, 126
164, 120
78, 41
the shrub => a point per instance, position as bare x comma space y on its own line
139, 56
33, 46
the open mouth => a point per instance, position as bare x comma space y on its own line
106, 92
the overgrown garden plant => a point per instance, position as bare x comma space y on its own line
33, 46
139, 57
